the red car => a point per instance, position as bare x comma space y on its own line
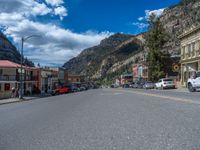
62, 90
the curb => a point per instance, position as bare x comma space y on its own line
18, 101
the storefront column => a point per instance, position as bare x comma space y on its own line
198, 65
182, 75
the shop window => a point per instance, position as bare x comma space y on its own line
7, 87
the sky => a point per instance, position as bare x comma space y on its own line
66, 27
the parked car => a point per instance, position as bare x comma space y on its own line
126, 86
75, 88
148, 85
165, 83
139, 84
61, 90
194, 83
135, 85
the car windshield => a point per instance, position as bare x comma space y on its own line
167, 80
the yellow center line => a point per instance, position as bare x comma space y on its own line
164, 97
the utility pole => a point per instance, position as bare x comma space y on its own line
21, 75
23, 39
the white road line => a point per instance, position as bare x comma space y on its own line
160, 96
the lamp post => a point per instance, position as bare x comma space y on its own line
23, 39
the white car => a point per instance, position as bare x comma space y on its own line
165, 83
194, 83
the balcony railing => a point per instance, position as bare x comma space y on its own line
17, 78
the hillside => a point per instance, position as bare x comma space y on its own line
9, 52
176, 19
117, 53
97, 61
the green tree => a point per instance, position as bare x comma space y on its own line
156, 59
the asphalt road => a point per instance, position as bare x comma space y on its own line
104, 119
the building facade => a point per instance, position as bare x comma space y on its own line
73, 78
190, 53
10, 78
48, 79
140, 72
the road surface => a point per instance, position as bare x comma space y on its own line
104, 119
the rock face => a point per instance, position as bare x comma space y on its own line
176, 19
97, 61
9, 52
119, 50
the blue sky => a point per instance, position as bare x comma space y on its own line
110, 15
69, 26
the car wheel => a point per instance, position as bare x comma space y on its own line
190, 88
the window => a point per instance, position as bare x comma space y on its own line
7, 87
0, 87
193, 49
189, 50
183, 52
198, 74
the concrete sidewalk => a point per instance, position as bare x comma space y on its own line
25, 98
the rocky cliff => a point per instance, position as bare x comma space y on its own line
99, 60
9, 52
119, 50
178, 18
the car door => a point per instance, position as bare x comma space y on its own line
197, 80
158, 84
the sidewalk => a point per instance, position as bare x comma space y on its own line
25, 98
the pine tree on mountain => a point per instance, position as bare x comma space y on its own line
156, 38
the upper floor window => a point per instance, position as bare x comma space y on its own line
193, 49
189, 50
183, 52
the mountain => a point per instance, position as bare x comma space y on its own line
178, 18
9, 52
98, 61
117, 53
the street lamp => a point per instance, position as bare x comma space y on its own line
23, 39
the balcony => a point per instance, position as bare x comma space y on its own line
17, 78
8, 78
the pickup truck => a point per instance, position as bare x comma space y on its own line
194, 83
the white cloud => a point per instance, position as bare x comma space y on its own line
157, 12
30, 8
140, 18
140, 25
41, 9
54, 2
56, 44
61, 11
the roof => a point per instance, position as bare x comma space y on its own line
10, 64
